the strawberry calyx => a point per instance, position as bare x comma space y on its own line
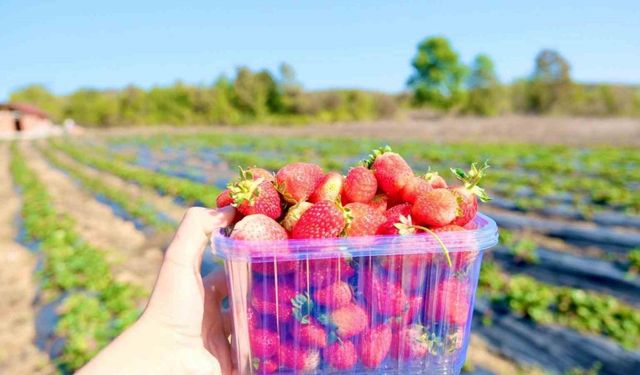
246, 189
430, 175
302, 306
472, 178
368, 162
406, 227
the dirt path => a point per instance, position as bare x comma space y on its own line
18, 354
164, 204
480, 355
134, 259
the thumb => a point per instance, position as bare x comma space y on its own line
178, 294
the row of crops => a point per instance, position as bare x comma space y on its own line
545, 292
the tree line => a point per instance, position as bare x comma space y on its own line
440, 81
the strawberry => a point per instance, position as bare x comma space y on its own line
466, 195
293, 215
365, 220
435, 180
319, 273
341, 355
374, 346
312, 334
414, 188
253, 195
450, 302
379, 202
328, 189
410, 343
409, 315
403, 209
264, 366
296, 181
267, 301
383, 295
224, 199
334, 296
263, 343
299, 359
359, 186
259, 227
435, 208
262, 173
391, 170
348, 321
324, 219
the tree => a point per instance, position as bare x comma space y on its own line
438, 75
550, 87
485, 93
39, 96
92, 107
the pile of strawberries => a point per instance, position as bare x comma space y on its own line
343, 311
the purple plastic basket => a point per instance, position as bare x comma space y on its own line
384, 304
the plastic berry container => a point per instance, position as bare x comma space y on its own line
354, 305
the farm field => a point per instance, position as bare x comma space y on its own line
91, 216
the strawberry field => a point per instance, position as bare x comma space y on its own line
560, 294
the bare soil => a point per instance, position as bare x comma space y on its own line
18, 354
125, 246
416, 126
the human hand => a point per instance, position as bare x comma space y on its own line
182, 330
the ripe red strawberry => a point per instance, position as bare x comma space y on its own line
435, 208
341, 355
312, 334
397, 225
385, 297
359, 186
334, 296
466, 195
408, 317
296, 181
410, 343
293, 215
414, 188
258, 228
348, 321
264, 366
266, 300
255, 196
396, 211
263, 343
379, 202
262, 173
224, 199
297, 358
391, 170
328, 189
374, 346
450, 302
323, 220
365, 220
319, 273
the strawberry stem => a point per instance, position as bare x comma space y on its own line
368, 162
444, 247
472, 178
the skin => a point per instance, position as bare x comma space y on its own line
182, 330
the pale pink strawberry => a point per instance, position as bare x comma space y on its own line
435, 208
435, 180
379, 202
349, 321
410, 343
365, 220
328, 188
262, 173
296, 181
450, 302
414, 188
311, 334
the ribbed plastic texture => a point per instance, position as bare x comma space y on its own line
378, 305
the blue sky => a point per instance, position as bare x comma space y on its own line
365, 44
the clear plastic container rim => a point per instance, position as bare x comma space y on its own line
483, 237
